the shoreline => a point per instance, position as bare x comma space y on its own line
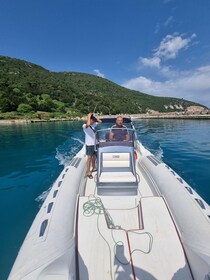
27, 121
172, 116
133, 116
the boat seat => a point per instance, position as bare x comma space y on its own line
117, 177
113, 160
116, 171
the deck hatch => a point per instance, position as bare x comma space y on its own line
43, 227
200, 202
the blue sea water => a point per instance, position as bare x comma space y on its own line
33, 155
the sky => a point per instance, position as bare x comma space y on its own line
159, 47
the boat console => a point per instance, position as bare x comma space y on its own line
115, 162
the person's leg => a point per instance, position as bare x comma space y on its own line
88, 164
89, 153
94, 162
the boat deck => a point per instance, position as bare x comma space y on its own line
130, 239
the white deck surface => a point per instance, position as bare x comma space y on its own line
166, 259
97, 249
96, 245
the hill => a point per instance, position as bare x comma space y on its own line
26, 88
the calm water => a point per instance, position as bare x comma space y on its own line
32, 156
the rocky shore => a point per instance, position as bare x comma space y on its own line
192, 112
25, 121
172, 116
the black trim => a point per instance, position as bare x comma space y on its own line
49, 208
113, 120
180, 180
153, 160
59, 184
43, 228
189, 190
200, 203
173, 172
73, 161
77, 163
55, 193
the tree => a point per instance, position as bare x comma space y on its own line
24, 108
6, 105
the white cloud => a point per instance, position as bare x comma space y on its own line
191, 85
171, 45
98, 73
169, 48
168, 21
157, 28
151, 62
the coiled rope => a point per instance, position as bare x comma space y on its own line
93, 206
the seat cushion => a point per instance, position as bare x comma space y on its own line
116, 159
117, 177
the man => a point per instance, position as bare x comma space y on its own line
119, 131
89, 130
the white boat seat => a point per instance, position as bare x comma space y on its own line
116, 171
115, 160
117, 177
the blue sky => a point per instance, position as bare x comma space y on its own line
160, 47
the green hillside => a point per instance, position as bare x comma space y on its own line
26, 88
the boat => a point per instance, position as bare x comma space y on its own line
136, 219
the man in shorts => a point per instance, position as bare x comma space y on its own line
89, 130
119, 132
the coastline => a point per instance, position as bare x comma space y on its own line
133, 116
172, 116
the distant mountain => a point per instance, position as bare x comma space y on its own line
26, 87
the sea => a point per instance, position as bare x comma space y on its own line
33, 155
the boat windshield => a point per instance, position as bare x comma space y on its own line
115, 137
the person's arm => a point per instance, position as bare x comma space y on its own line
88, 120
99, 121
111, 136
127, 137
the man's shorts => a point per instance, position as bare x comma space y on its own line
90, 150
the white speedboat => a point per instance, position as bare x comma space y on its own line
137, 219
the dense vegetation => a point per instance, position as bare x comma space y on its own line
26, 88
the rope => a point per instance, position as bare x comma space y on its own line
93, 206
121, 244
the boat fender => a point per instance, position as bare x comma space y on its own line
135, 155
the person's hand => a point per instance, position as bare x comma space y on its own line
89, 115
